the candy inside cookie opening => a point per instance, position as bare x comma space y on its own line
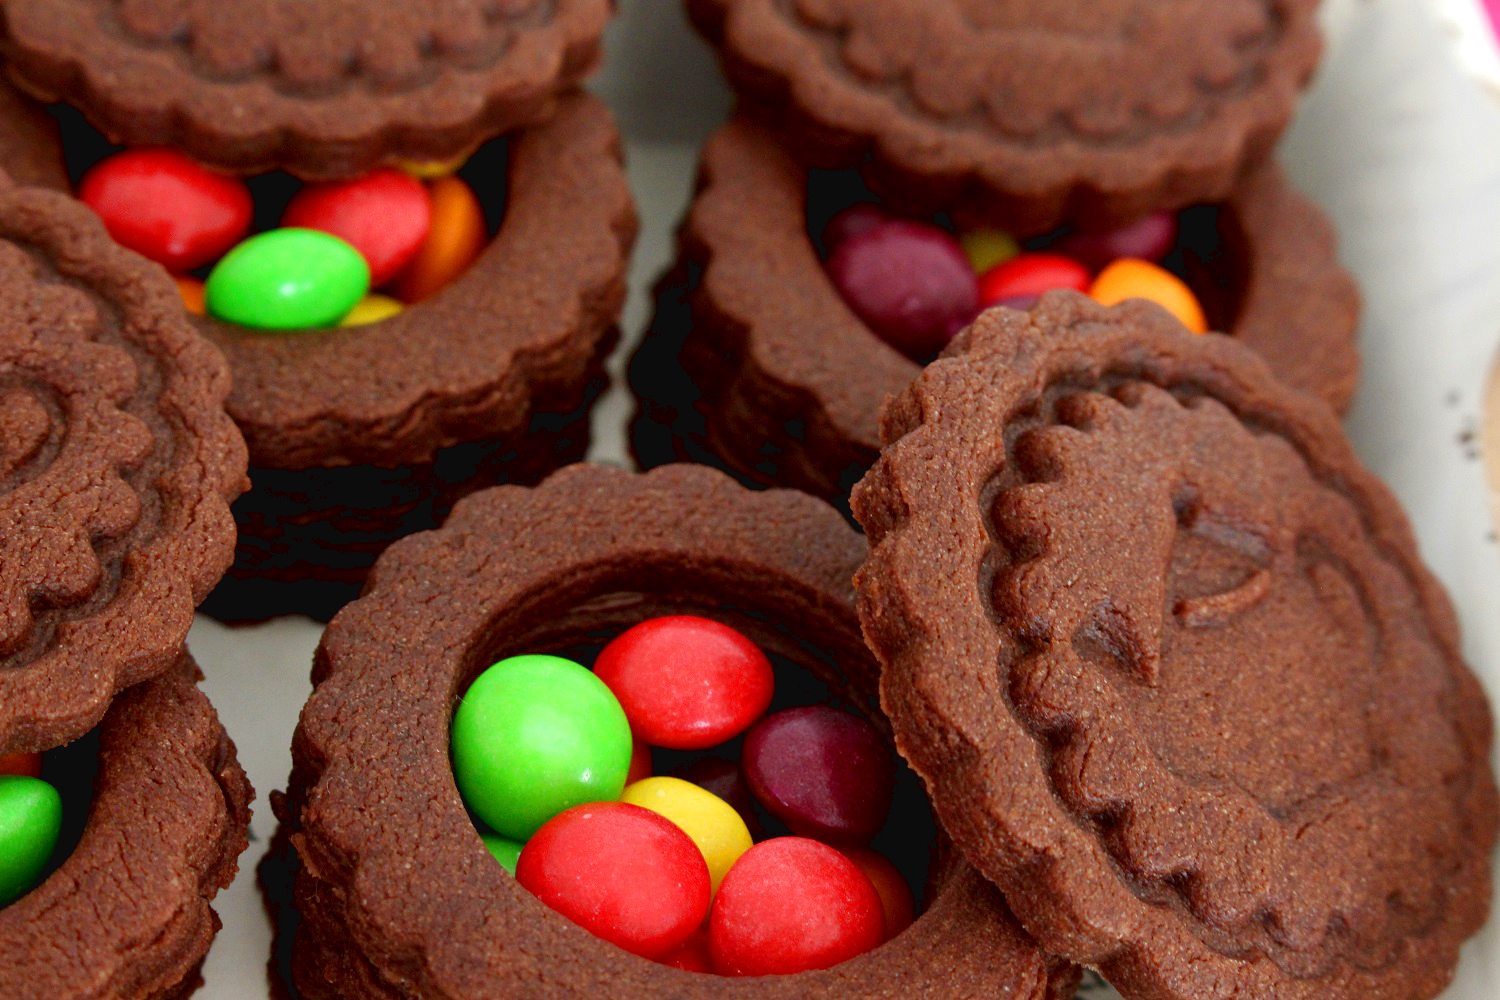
270, 252
739, 802
44, 806
915, 282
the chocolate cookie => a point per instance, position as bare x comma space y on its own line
127, 913
359, 436
117, 466
329, 88
1171, 666
588, 553
1020, 114
756, 363
30, 148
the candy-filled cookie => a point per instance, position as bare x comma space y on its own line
1169, 663
480, 711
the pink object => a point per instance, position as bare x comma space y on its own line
1152, 238
910, 282
860, 217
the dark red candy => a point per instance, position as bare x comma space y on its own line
692, 955
910, 282
165, 207
623, 873
824, 773
384, 215
724, 779
860, 217
686, 683
640, 762
1032, 274
1152, 238
791, 905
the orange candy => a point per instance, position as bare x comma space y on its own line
191, 290
457, 236
895, 895
25, 764
1129, 278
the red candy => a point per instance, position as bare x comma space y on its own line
27, 764
623, 873
384, 215
791, 905
910, 282
164, 206
686, 683
824, 773
693, 955
640, 762
1032, 274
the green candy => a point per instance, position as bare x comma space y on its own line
536, 735
287, 279
30, 819
507, 852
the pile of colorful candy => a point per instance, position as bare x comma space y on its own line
30, 822
555, 759
410, 232
916, 284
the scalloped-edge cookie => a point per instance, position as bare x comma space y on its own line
1021, 114
1169, 663
117, 467
399, 897
127, 913
321, 88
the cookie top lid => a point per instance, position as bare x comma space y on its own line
1028, 112
117, 466
321, 88
1168, 661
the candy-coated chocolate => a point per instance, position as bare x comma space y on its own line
372, 309
686, 683
860, 217
1032, 274
164, 206
1141, 279
431, 170
192, 292
533, 736
708, 820
287, 279
623, 873
455, 238
910, 282
30, 820
726, 780
986, 248
1152, 238
503, 849
826, 774
692, 955
896, 900
27, 764
640, 763
792, 905
385, 215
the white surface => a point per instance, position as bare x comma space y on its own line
1399, 147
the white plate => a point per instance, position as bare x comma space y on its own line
1400, 148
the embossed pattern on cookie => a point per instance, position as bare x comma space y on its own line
115, 475
1186, 691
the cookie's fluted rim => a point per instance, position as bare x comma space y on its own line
398, 892
127, 914
925, 506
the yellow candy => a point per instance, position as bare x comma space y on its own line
1129, 278
372, 309
708, 820
987, 247
427, 170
